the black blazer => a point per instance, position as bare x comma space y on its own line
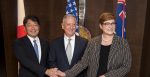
29, 65
58, 57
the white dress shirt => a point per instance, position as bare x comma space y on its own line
72, 41
39, 45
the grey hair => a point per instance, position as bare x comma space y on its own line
66, 16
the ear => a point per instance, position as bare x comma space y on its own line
25, 28
100, 26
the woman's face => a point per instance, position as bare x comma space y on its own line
108, 27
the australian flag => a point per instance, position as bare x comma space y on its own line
121, 18
72, 9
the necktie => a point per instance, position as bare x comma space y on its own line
68, 51
36, 49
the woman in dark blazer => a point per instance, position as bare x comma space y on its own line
106, 55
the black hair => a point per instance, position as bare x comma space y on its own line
33, 18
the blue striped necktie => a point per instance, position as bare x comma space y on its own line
36, 48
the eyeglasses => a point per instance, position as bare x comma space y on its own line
107, 23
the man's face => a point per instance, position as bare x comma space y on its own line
69, 26
32, 28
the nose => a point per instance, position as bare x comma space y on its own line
33, 27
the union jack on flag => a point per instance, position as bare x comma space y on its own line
72, 9
121, 18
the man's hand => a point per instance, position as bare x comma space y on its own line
52, 72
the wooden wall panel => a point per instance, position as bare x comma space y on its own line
136, 13
9, 20
145, 63
2, 53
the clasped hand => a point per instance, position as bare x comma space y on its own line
54, 72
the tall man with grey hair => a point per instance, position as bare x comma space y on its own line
67, 50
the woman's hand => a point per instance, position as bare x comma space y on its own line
102, 76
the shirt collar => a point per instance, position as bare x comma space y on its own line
31, 38
72, 37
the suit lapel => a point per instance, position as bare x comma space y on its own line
76, 49
112, 50
97, 53
63, 50
30, 47
42, 50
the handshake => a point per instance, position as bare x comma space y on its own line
54, 72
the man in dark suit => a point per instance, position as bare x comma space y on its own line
67, 50
31, 51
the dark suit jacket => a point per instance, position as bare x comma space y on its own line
29, 65
119, 59
58, 57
